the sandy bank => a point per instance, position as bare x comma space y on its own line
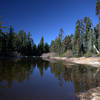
93, 61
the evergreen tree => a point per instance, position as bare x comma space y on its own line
11, 39
34, 50
58, 42
21, 42
77, 39
46, 48
67, 43
29, 45
41, 46
85, 40
87, 25
52, 46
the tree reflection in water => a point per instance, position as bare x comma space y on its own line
19, 70
83, 77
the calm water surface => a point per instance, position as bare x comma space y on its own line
35, 79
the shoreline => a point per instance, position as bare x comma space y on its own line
92, 61
92, 94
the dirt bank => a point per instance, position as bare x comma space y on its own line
93, 61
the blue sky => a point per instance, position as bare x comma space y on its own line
46, 17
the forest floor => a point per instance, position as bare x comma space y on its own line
92, 61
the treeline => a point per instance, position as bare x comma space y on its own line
84, 42
21, 43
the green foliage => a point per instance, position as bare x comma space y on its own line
81, 43
11, 39
56, 46
41, 46
46, 48
53, 46
97, 7
78, 42
99, 43
21, 43
67, 43
84, 42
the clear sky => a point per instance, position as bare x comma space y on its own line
46, 17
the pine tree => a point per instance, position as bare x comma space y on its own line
46, 48
41, 46
11, 39
34, 50
76, 39
87, 25
52, 46
67, 43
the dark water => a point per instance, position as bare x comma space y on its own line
35, 79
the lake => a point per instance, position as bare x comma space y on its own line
36, 79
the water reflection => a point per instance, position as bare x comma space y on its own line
81, 77
19, 70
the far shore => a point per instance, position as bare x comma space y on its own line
92, 61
